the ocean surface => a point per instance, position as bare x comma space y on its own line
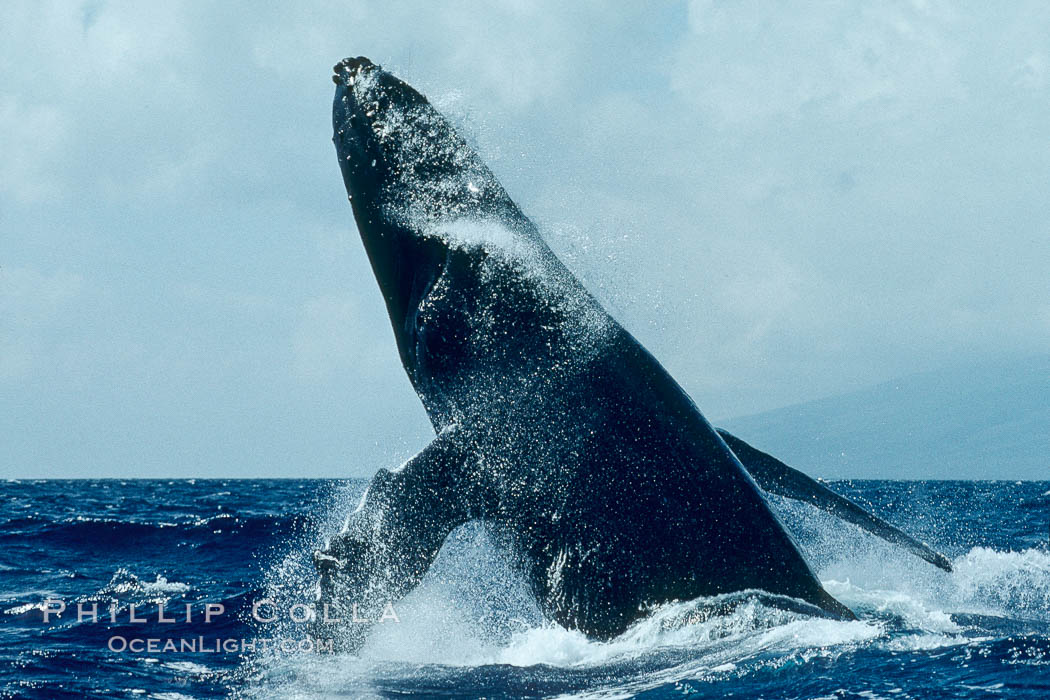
471, 629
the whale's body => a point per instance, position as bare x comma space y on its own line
554, 425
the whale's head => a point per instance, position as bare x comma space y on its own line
409, 175
383, 135
403, 161
370, 107
400, 154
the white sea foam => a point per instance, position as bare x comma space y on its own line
470, 613
126, 585
26, 607
188, 668
661, 648
984, 582
1012, 583
752, 627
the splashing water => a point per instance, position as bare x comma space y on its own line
471, 624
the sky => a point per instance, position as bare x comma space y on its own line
783, 201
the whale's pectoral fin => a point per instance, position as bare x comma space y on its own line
391, 539
773, 476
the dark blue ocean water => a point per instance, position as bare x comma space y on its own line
471, 630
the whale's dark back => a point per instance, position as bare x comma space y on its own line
618, 493
595, 467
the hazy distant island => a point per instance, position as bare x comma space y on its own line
988, 421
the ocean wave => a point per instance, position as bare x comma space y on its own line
123, 589
101, 533
127, 586
903, 611
25, 608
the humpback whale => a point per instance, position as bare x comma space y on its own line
590, 465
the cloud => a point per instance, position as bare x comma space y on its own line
782, 201
31, 138
328, 339
747, 63
32, 304
1032, 73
